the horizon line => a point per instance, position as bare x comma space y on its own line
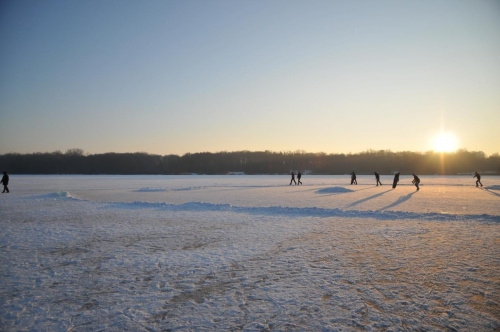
80, 151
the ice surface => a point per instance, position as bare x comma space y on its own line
154, 253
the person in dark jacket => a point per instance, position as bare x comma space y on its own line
299, 175
478, 179
377, 177
416, 181
5, 182
293, 178
396, 180
353, 178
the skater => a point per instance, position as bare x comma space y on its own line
396, 180
353, 178
299, 175
416, 181
478, 179
5, 182
377, 177
293, 178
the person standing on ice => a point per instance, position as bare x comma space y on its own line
293, 178
396, 180
353, 178
478, 179
377, 177
299, 175
5, 182
416, 181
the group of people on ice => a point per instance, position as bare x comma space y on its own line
299, 175
416, 179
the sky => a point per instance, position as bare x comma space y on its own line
175, 77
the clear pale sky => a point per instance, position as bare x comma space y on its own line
171, 77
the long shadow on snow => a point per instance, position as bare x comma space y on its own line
399, 201
489, 191
367, 199
492, 188
367, 187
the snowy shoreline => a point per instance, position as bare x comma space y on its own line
249, 253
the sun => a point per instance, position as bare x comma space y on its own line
445, 142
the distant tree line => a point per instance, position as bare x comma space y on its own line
75, 161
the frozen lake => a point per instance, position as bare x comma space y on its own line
186, 253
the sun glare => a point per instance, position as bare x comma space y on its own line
445, 142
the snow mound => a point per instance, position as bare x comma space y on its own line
149, 190
191, 188
334, 190
155, 190
60, 195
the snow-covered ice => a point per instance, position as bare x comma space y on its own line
186, 253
